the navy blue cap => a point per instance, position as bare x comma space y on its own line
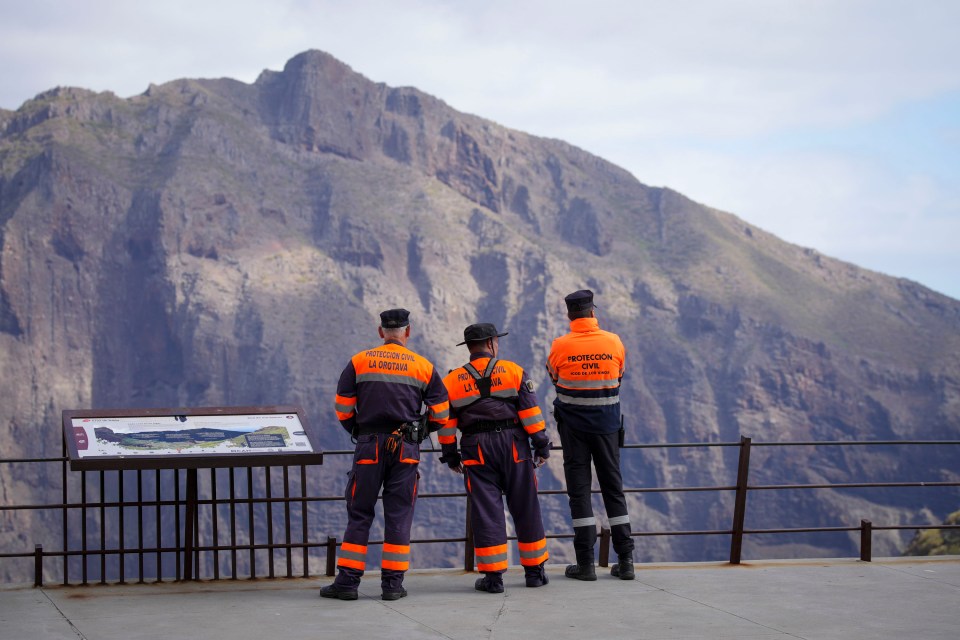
480, 331
580, 300
394, 318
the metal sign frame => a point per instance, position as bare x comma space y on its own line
171, 460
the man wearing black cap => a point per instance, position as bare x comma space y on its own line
495, 407
586, 366
378, 401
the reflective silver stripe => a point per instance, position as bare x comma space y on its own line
491, 559
584, 522
588, 402
344, 408
353, 555
534, 419
619, 520
395, 557
462, 402
533, 553
448, 431
502, 393
386, 377
441, 414
608, 383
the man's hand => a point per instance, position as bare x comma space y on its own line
540, 454
453, 460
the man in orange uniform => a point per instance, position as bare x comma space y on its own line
495, 407
586, 366
378, 401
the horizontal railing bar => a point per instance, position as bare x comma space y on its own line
892, 527
677, 489
678, 445
708, 532
907, 527
804, 530
849, 443
851, 485
545, 492
553, 536
650, 445
301, 499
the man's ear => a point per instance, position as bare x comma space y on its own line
407, 332
380, 331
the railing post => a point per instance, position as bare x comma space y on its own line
190, 513
38, 566
468, 548
604, 547
740, 502
866, 540
331, 555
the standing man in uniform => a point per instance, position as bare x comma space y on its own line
586, 366
379, 398
494, 404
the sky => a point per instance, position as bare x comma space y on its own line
834, 124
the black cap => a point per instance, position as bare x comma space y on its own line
394, 318
480, 331
580, 300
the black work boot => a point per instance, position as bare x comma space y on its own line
490, 582
536, 576
340, 593
624, 568
583, 570
393, 594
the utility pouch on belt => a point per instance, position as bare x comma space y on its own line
621, 433
415, 431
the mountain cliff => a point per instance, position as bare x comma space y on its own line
211, 242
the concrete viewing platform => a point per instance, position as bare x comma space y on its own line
888, 598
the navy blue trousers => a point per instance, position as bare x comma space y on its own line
498, 464
379, 461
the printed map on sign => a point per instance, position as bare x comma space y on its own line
189, 434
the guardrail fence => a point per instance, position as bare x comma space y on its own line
189, 524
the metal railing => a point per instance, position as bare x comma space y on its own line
251, 524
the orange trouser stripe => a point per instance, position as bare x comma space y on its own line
395, 556
353, 556
532, 546
491, 558
533, 553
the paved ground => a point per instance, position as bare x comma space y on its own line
899, 598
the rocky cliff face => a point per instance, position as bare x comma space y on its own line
211, 242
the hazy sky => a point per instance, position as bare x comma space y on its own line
834, 124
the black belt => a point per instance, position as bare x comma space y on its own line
483, 426
364, 431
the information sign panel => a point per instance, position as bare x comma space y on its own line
188, 438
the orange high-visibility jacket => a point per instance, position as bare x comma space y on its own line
586, 366
384, 387
513, 393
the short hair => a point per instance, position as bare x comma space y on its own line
476, 345
582, 313
394, 332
